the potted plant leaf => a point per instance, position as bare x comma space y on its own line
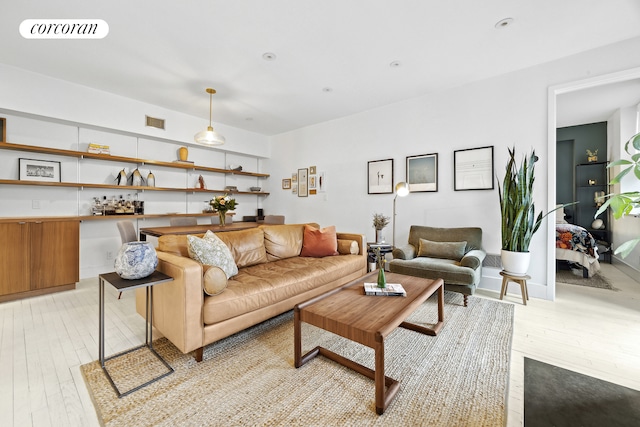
519, 221
623, 203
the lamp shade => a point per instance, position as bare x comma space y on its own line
402, 189
209, 137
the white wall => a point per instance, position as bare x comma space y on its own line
505, 111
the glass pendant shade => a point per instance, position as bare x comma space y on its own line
209, 137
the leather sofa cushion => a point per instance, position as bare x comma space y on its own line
435, 268
175, 244
446, 250
214, 280
266, 284
348, 247
247, 246
282, 241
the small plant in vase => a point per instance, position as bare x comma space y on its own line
223, 204
380, 260
379, 222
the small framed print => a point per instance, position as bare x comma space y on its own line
473, 169
313, 181
39, 170
312, 170
286, 184
303, 185
380, 176
294, 177
422, 172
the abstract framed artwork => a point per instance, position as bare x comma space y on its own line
380, 176
39, 170
473, 169
422, 173
303, 185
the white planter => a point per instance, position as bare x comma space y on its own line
515, 263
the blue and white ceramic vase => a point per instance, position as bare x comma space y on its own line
136, 260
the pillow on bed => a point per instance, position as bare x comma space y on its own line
560, 215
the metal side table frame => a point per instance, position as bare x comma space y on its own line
121, 285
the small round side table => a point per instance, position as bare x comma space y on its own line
521, 280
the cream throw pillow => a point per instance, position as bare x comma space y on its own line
210, 250
445, 250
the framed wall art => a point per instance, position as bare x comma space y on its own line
473, 169
422, 172
286, 184
39, 170
380, 176
303, 186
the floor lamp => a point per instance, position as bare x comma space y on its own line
402, 189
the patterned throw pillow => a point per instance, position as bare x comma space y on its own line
210, 250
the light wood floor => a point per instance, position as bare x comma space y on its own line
44, 340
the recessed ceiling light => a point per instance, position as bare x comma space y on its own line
395, 64
269, 56
327, 89
504, 23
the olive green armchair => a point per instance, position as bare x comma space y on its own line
454, 255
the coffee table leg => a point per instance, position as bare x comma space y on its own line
379, 380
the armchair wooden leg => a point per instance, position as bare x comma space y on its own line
466, 299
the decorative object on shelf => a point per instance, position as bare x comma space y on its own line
597, 224
39, 170
231, 188
223, 204
209, 137
3, 129
598, 198
121, 179
402, 190
136, 260
255, 189
98, 149
380, 222
422, 172
183, 154
237, 168
151, 180
286, 184
136, 178
201, 184
592, 156
380, 176
593, 182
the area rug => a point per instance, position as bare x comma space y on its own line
558, 397
458, 378
596, 281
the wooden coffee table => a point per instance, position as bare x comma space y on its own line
368, 320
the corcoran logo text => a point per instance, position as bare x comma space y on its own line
64, 29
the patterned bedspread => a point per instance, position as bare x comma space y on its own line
575, 238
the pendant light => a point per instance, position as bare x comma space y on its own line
209, 137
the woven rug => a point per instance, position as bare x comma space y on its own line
458, 378
596, 281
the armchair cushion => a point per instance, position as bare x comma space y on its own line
444, 250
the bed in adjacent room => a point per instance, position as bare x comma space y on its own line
576, 245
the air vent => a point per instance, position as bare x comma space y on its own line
492, 260
154, 123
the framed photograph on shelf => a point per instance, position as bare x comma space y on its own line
380, 176
39, 170
286, 184
303, 186
422, 172
473, 169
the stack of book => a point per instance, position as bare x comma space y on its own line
391, 290
98, 149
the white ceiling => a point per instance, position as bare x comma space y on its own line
167, 52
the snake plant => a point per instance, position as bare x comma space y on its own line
519, 222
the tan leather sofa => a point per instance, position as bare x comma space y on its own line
272, 279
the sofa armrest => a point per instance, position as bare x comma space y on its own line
407, 251
473, 259
177, 305
360, 238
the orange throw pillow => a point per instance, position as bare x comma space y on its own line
319, 243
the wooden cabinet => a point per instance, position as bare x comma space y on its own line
38, 257
592, 181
